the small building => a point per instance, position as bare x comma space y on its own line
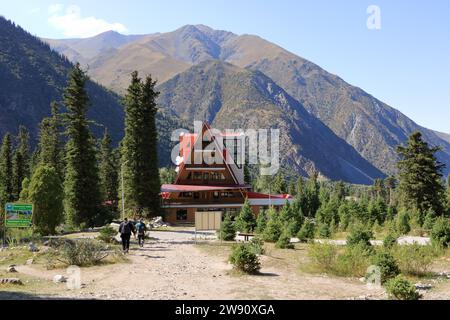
210, 179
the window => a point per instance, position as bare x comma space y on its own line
196, 195
216, 195
206, 176
227, 194
198, 176
182, 215
186, 195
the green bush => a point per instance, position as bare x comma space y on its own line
390, 241
415, 259
227, 231
324, 230
274, 227
257, 246
81, 252
440, 234
359, 235
354, 261
261, 222
402, 223
387, 264
245, 221
307, 231
400, 288
323, 256
244, 259
284, 242
107, 234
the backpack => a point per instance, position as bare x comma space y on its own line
141, 228
126, 228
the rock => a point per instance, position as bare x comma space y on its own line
11, 281
29, 262
11, 269
33, 248
421, 286
59, 279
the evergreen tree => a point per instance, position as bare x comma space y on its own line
340, 191
21, 161
312, 201
50, 144
300, 186
139, 147
81, 186
167, 175
6, 172
402, 224
24, 194
227, 231
109, 177
46, 193
245, 222
448, 193
261, 222
420, 175
391, 183
279, 185
274, 226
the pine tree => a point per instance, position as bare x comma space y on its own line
109, 178
300, 186
46, 193
312, 201
279, 185
246, 221
227, 231
420, 175
21, 161
139, 147
50, 144
81, 186
261, 222
274, 226
6, 171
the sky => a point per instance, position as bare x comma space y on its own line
397, 51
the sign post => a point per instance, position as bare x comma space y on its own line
17, 216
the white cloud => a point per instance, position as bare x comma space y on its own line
72, 24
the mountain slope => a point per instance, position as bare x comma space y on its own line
373, 128
232, 97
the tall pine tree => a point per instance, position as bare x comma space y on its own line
81, 186
109, 178
139, 148
420, 176
21, 161
6, 171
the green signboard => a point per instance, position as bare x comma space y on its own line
18, 215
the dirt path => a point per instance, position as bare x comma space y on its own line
173, 267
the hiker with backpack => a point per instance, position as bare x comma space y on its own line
141, 229
125, 230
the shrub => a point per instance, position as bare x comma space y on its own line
323, 256
307, 231
324, 230
400, 288
414, 259
261, 222
257, 246
440, 234
390, 240
274, 227
244, 259
227, 231
284, 242
107, 234
359, 235
81, 252
245, 221
354, 261
429, 221
387, 264
402, 223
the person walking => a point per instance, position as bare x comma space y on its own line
141, 229
125, 230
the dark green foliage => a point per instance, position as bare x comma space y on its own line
274, 226
402, 223
81, 185
107, 234
400, 288
420, 175
244, 259
46, 193
6, 173
284, 241
227, 231
245, 221
261, 222
359, 235
323, 230
387, 264
390, 240
108, 171
82, 253
307, 230
21, 161
139, 147
312, 201
257, 245
167, 175
440, 234
279, 184
430, 220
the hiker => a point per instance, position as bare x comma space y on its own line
141, 229
125, 230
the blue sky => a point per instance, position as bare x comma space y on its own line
406, 63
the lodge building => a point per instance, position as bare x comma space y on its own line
204, 184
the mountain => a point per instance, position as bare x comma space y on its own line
32, 76
372, 127
231, 97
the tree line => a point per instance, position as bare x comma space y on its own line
72, 178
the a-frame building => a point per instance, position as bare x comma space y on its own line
209, 178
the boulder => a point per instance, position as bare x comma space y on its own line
33, 248
11, 269
29, 262
59, 279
